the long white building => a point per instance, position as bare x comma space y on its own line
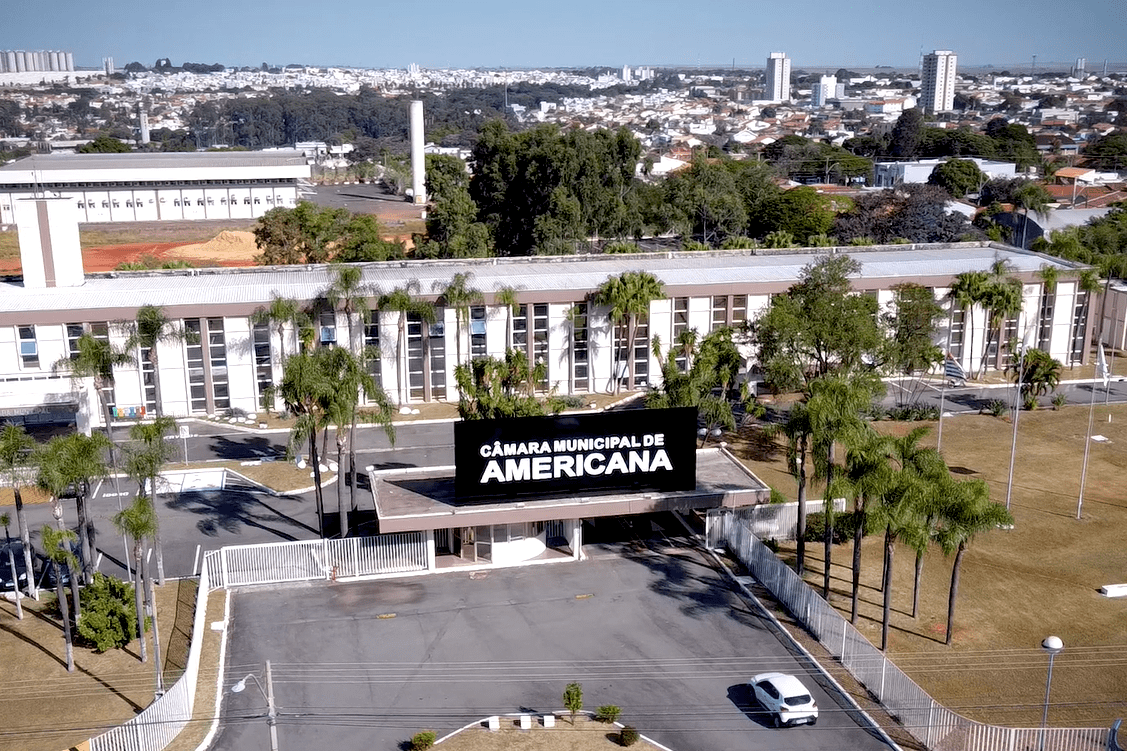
161, 186
231, 362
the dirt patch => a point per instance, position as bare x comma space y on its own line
229, 246
1017, 586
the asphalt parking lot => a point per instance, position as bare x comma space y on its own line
659, 633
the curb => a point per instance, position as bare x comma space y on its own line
211, 731
782, 630
590, 715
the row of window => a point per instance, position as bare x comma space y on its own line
129, 203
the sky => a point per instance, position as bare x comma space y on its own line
571, 33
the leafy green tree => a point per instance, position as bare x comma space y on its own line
1013, 142
104, 144
106, 621
969, 513
362, 240
819, 326
913, 320
56, 546
957, 176
304, 234
1038, 372
16, 455
137, 522
704, 201
573, 699
151, 329
628, 296
907, 133
145, 458
1109, 151
493, 388
916, 213
802, 212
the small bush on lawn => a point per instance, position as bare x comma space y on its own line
109, 618
913, 413
816, 527
422, 740
777, 496
1031, 402
1059, 400
996, 407
628, 736
608, 713
573, 699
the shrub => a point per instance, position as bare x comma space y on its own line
777, 496
573, 699
422, 740
608, 713
1030, 401
628, 736
914, 413
621, 247
1059, 400
996, 407
816, 527
109, 619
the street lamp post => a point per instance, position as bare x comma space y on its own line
268, 694
1052, 645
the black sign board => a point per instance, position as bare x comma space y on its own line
643, 449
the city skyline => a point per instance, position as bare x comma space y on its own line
504, 33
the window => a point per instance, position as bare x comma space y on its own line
328, 329
372, 352
1080, 326
477, 332
719, 312
101, 332
74, 332
29, 348
581, 373
436, 345
958, 333
1045, 319
520, 330
263, 368
680, 326
197, 381
540, 342
217, 354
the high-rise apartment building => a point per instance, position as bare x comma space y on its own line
778, 77
937, 90
825, 89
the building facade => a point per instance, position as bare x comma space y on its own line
826, 89
778, 77
937, 87
160, 186
229, 362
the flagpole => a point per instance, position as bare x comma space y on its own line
1087, 450
1017, 413
943, 389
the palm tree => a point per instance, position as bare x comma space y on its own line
1089, 283
281, 311
6, 520
969, 512
16, 451
967, 291
687, 341
459, 295
74, 462
306, 389
402, 300
1038, 373
56, 546
1002, 298
150, 330
1031, 196
508, 298
797, 430
628, 296
137, 522
867, 477
350, 295
144, 462
835, 407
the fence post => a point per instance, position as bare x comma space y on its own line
883, 669
223, 565
844, 631
930, 721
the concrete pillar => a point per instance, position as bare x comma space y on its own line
418, 158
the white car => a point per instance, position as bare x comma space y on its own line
785, 698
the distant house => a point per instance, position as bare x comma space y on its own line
891, 174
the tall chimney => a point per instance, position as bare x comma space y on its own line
418, 159
144, 123
50, 253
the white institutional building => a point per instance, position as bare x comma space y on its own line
229, 364
148, 187
937, 90
778, 77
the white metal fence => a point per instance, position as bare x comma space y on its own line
155, 727
310, 560
928, 721
777, 521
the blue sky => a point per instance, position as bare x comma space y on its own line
526, 33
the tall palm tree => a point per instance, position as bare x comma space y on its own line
835, 406
280, 312
1001, 298
798, 430
403, 300
151, 329
1089, 283
16, 453
967, 291
349, 294
56, 546
628, 296
6, 521
969, 512
1031, 196
74, 462
144, 462
867, 477
306, 389
509, 299
459, 295
137, 521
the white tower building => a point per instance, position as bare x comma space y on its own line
937, 90
826, 88
778, 77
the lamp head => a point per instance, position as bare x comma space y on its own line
239, 687
1052, 644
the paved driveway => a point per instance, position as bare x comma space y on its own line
660, 634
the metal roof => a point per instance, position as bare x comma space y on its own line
766, 270
156, 160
